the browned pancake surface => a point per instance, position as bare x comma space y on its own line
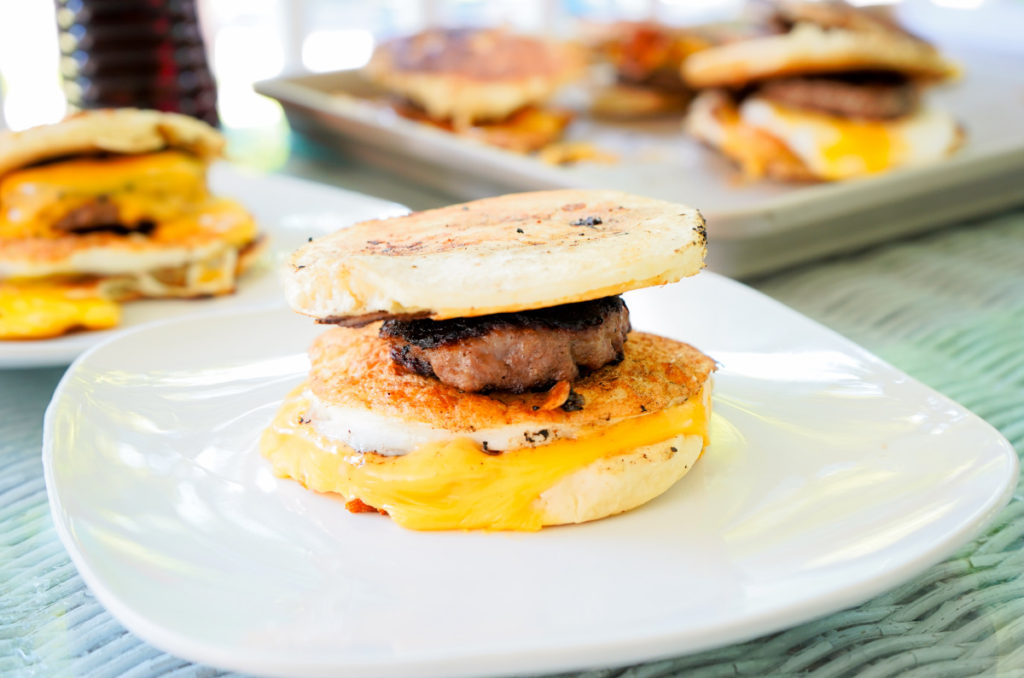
477, 54
352, 368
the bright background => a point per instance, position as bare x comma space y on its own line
252, 40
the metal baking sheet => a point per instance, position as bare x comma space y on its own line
754, 227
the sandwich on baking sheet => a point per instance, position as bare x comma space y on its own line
833, 93
483, 373
109, 206
646, 58
483, 83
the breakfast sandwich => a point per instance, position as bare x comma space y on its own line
488, 84
482, 372
110, 206
834, 93
647, 59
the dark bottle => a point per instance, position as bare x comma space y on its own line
142, 53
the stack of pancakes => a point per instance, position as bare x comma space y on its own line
109, 206
833, 92
504, 388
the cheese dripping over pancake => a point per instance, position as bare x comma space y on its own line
454, 483
41, 310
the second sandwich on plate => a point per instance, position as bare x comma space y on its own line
482, 372
109, 206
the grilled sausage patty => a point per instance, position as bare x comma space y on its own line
100, 215
871, 97
515, 352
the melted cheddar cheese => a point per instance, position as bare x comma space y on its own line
218, 219
454, 484
152, 187
840, 147
833, 147
40, 310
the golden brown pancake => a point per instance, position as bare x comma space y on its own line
466, 75
848, 40
509, 253
122, 130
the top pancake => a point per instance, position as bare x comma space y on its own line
122, 130
352, 369
473, 74
825, 38
509, 253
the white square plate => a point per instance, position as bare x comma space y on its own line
288, 210
831, 476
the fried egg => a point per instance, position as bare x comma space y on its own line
366, 431
31, 310
835, 148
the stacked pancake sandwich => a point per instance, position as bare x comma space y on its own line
834, 93
647, 59
483, 373
487, 84
109, 206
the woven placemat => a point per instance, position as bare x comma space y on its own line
947, 308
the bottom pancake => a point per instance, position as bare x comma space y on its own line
499, 462
355, 382
456, 484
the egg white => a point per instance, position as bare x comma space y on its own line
838, 148
365, 431
109, 260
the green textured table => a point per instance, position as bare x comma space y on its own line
948, 308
